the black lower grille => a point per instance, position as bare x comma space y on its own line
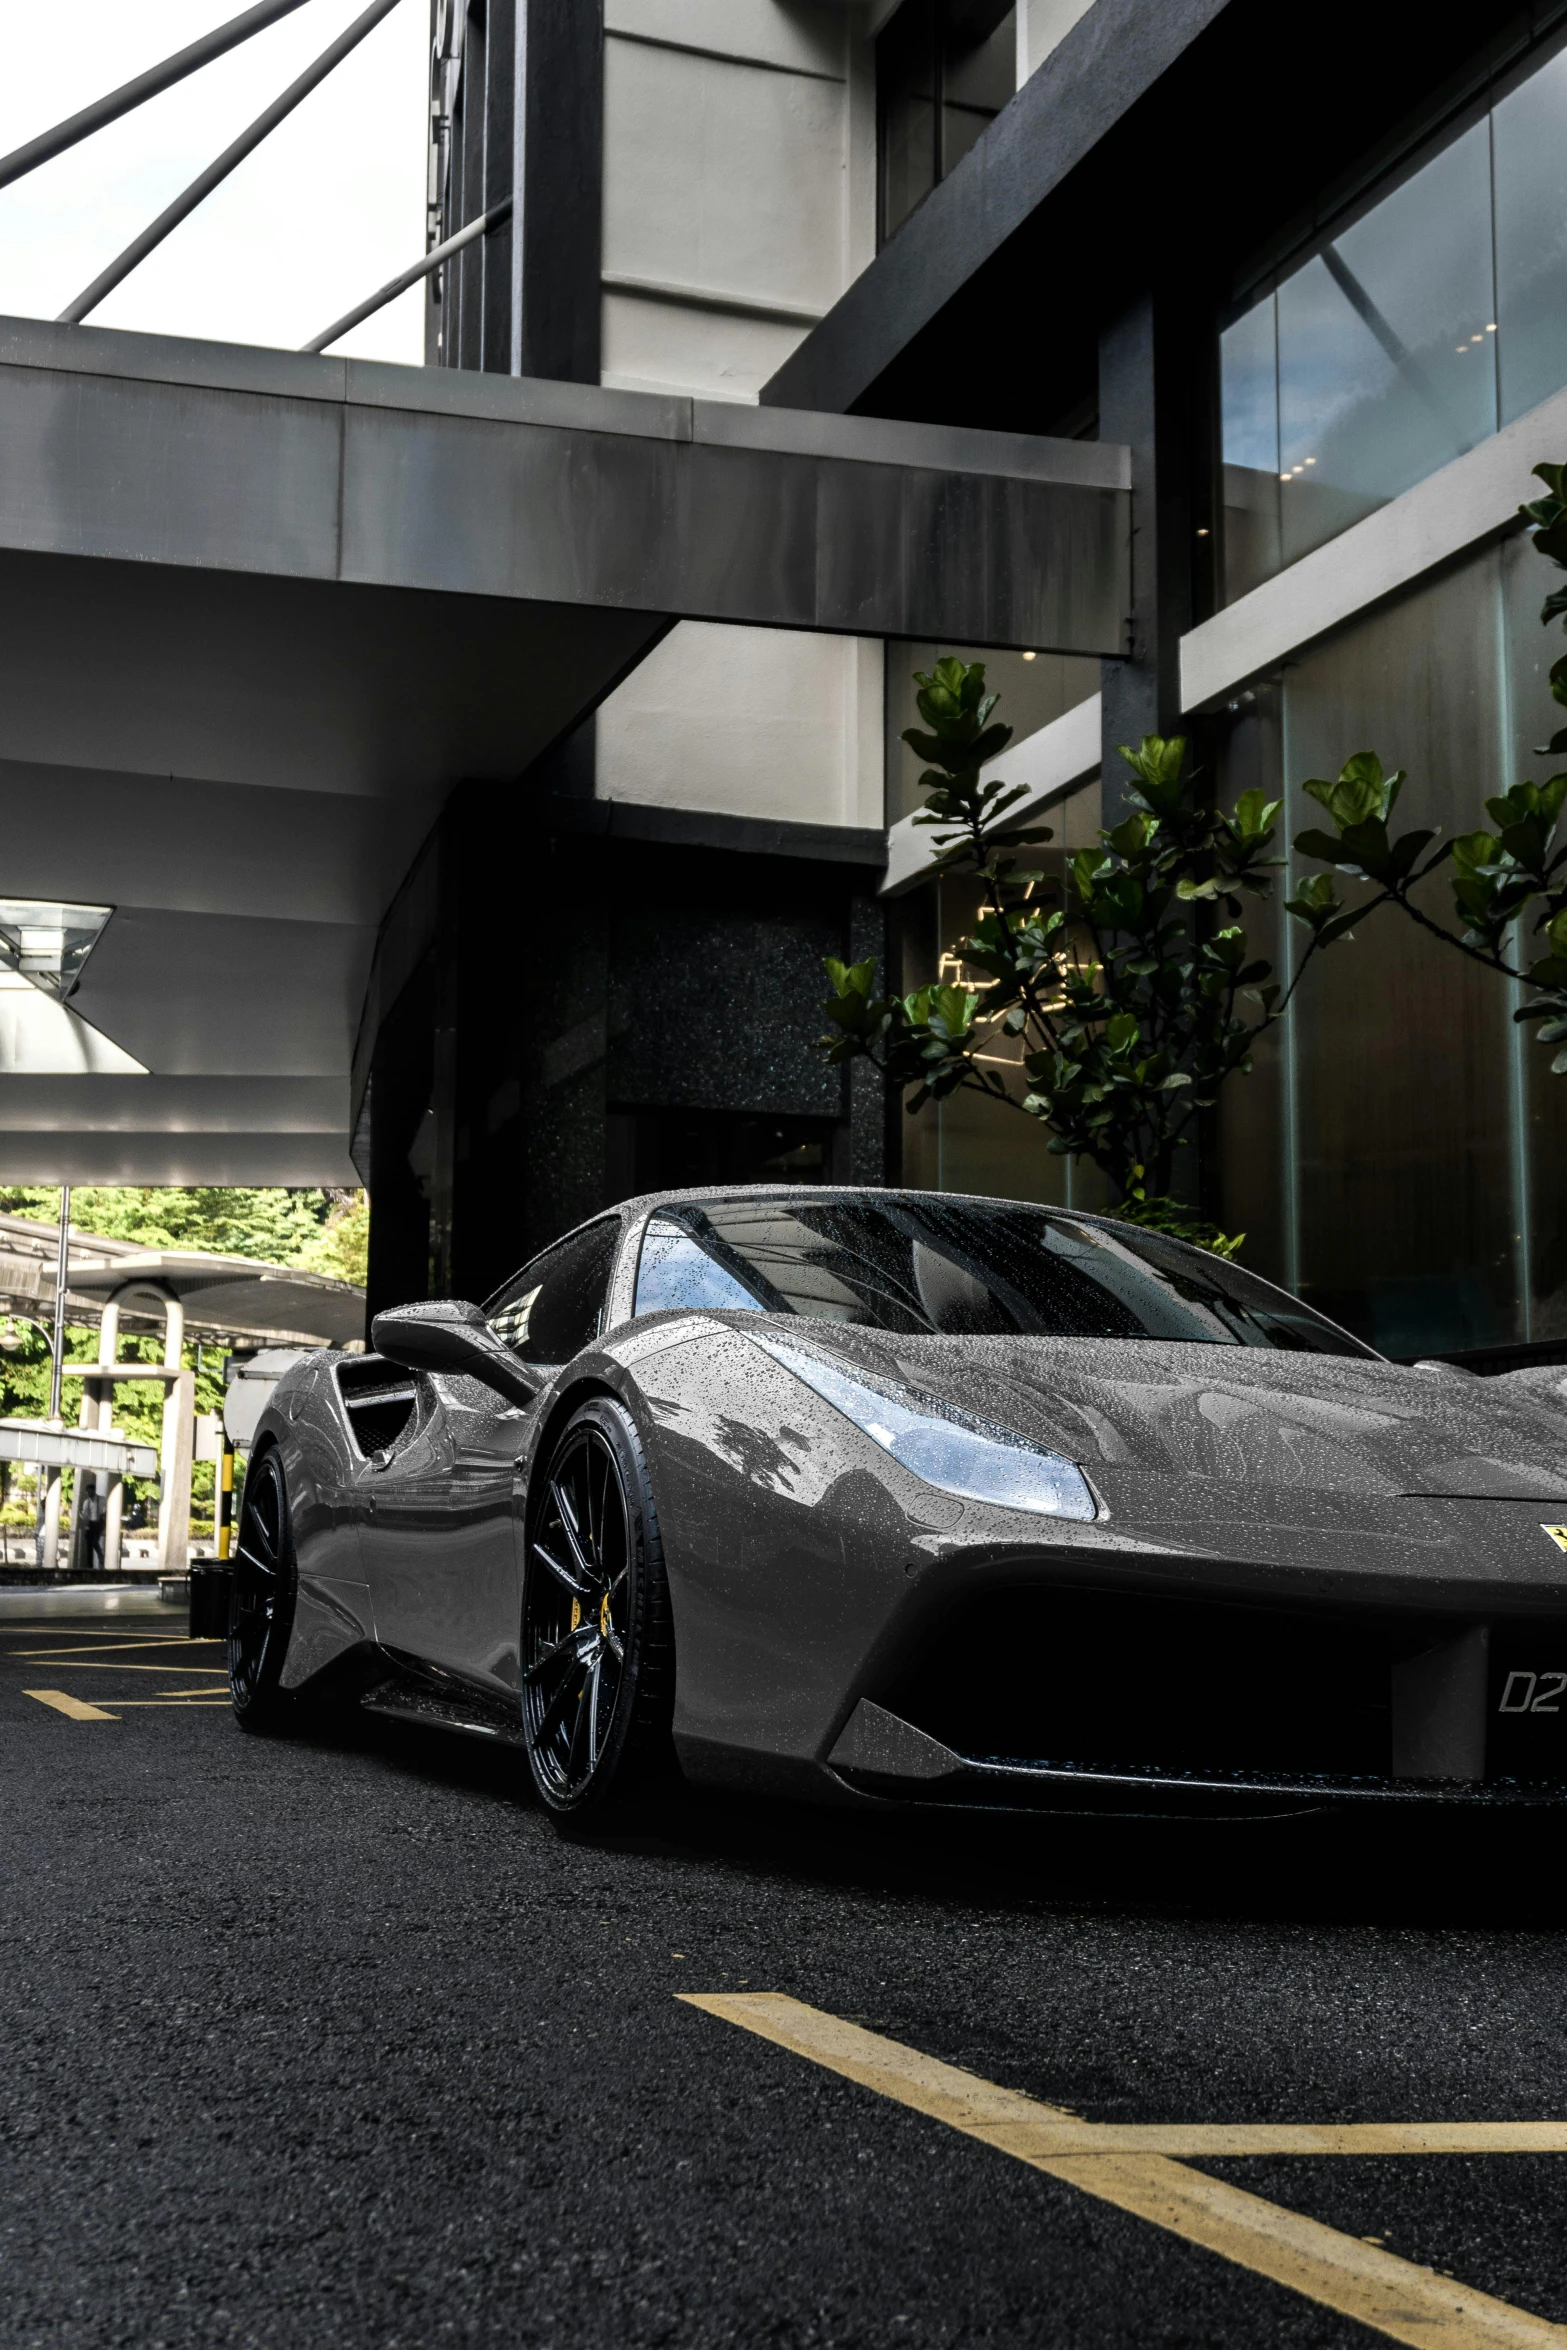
1125, 1681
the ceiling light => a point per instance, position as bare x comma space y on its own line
1311, 461
1477, 338
1286, 477
48, 944
1202, 533
1491, 329
1031, 656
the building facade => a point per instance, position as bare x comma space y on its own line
1312, 274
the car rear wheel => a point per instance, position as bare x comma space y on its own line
597, 1640
261, 1614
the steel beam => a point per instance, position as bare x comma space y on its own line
132, 94
410, 277
202, 186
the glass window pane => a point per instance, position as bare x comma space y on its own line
1535, 718
1386, 371
554, 1307
1249, 393
1402, 1049
1531, 238
675, 1272
977, 81
906, 91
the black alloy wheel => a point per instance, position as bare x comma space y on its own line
597, 1642
261, 1614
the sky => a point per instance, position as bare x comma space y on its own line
327, 209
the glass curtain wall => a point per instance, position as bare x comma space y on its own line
1435, 317
1396, 1155
967, 1143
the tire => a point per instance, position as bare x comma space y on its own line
598, 1651
261, 1612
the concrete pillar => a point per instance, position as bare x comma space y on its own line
174, 1459
49, 1517
111, 1486
82, 1481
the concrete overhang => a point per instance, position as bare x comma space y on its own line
260, 611
223, 1296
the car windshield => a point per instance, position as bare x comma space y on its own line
913, 1262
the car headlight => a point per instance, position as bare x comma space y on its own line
942, 1445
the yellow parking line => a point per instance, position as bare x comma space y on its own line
72, 1706
1396, 2297
111, 1647
77, 1665
179, 1704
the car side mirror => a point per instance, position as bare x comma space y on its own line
448, 1334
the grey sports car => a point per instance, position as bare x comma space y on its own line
891, 1496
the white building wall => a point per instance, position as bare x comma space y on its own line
739, 202
1041, 24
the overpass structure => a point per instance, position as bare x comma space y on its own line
261, 612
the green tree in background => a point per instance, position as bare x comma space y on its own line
1109, 1001
318, 1231
1509, 885
321, 1231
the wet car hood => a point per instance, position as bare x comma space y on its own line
1241, 1415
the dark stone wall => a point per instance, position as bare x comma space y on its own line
562, 993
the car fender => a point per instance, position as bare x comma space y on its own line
304, 1420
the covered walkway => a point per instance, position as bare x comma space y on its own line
261, 611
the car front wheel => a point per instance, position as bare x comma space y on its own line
597, 1640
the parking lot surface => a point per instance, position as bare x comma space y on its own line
334, 2039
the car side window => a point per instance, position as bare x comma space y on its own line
675, 1271
556, 1305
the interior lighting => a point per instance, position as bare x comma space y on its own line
1491, 329
1202, 531
1477, 338
1031, 656
47, 944
1286, 477
1311, 461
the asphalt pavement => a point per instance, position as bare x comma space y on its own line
333, 2039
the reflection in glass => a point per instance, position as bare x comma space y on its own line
1249, 395
1531, 238
944, 70
1397, 1157
906, 90
977, 79
969, 1268
1384, 349
1386, 371
1402, 1051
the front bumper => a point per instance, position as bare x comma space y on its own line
880, 1755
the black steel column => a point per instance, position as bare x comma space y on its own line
1147, 375
557, 228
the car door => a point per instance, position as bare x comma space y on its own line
441, 1512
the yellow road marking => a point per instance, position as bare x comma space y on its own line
110, 1647
1359, 2280
78, 1667
72, 1706
177, 1704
